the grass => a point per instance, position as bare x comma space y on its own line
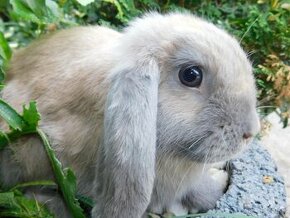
27, 123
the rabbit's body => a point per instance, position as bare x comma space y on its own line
70, 102
101, 94
70, 98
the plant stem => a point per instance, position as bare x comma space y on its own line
67, 190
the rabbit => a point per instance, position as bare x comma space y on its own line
140, 115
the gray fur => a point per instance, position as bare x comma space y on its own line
128, 152
116, 112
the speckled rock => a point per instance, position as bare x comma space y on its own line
255, 188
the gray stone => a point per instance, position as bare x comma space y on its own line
256, 188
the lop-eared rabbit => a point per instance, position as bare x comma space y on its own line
139, 115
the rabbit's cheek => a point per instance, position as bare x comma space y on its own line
215, 149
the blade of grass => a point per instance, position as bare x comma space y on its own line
86, 201
20, 125
15, 204
34, 183
5, 51
4, 140
13, 119
26, 124
65, 179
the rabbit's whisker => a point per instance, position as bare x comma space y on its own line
206, 159
207, 134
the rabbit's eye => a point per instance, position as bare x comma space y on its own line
190, 76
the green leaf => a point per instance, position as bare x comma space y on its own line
85, 2
34, 183
128, 4
2, 76
38, 11
65, 179
119, 7
20, 125
22, 11
14, 204
53, 11
6, 199
31, 116
71, 180
35, 5
5, 51
85, 201
14, 120
4, 140
3, 4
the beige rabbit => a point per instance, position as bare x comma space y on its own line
140, 116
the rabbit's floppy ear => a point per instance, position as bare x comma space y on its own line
130, 139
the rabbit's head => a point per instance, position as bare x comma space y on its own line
206, 97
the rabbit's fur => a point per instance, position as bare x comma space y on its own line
117, 114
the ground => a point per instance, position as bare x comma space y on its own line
277, 141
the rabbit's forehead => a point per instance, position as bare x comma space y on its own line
227, 61
178, 39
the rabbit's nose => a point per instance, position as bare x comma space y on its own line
247, 135
252, 127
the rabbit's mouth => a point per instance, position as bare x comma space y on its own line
215, 132
211, 147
